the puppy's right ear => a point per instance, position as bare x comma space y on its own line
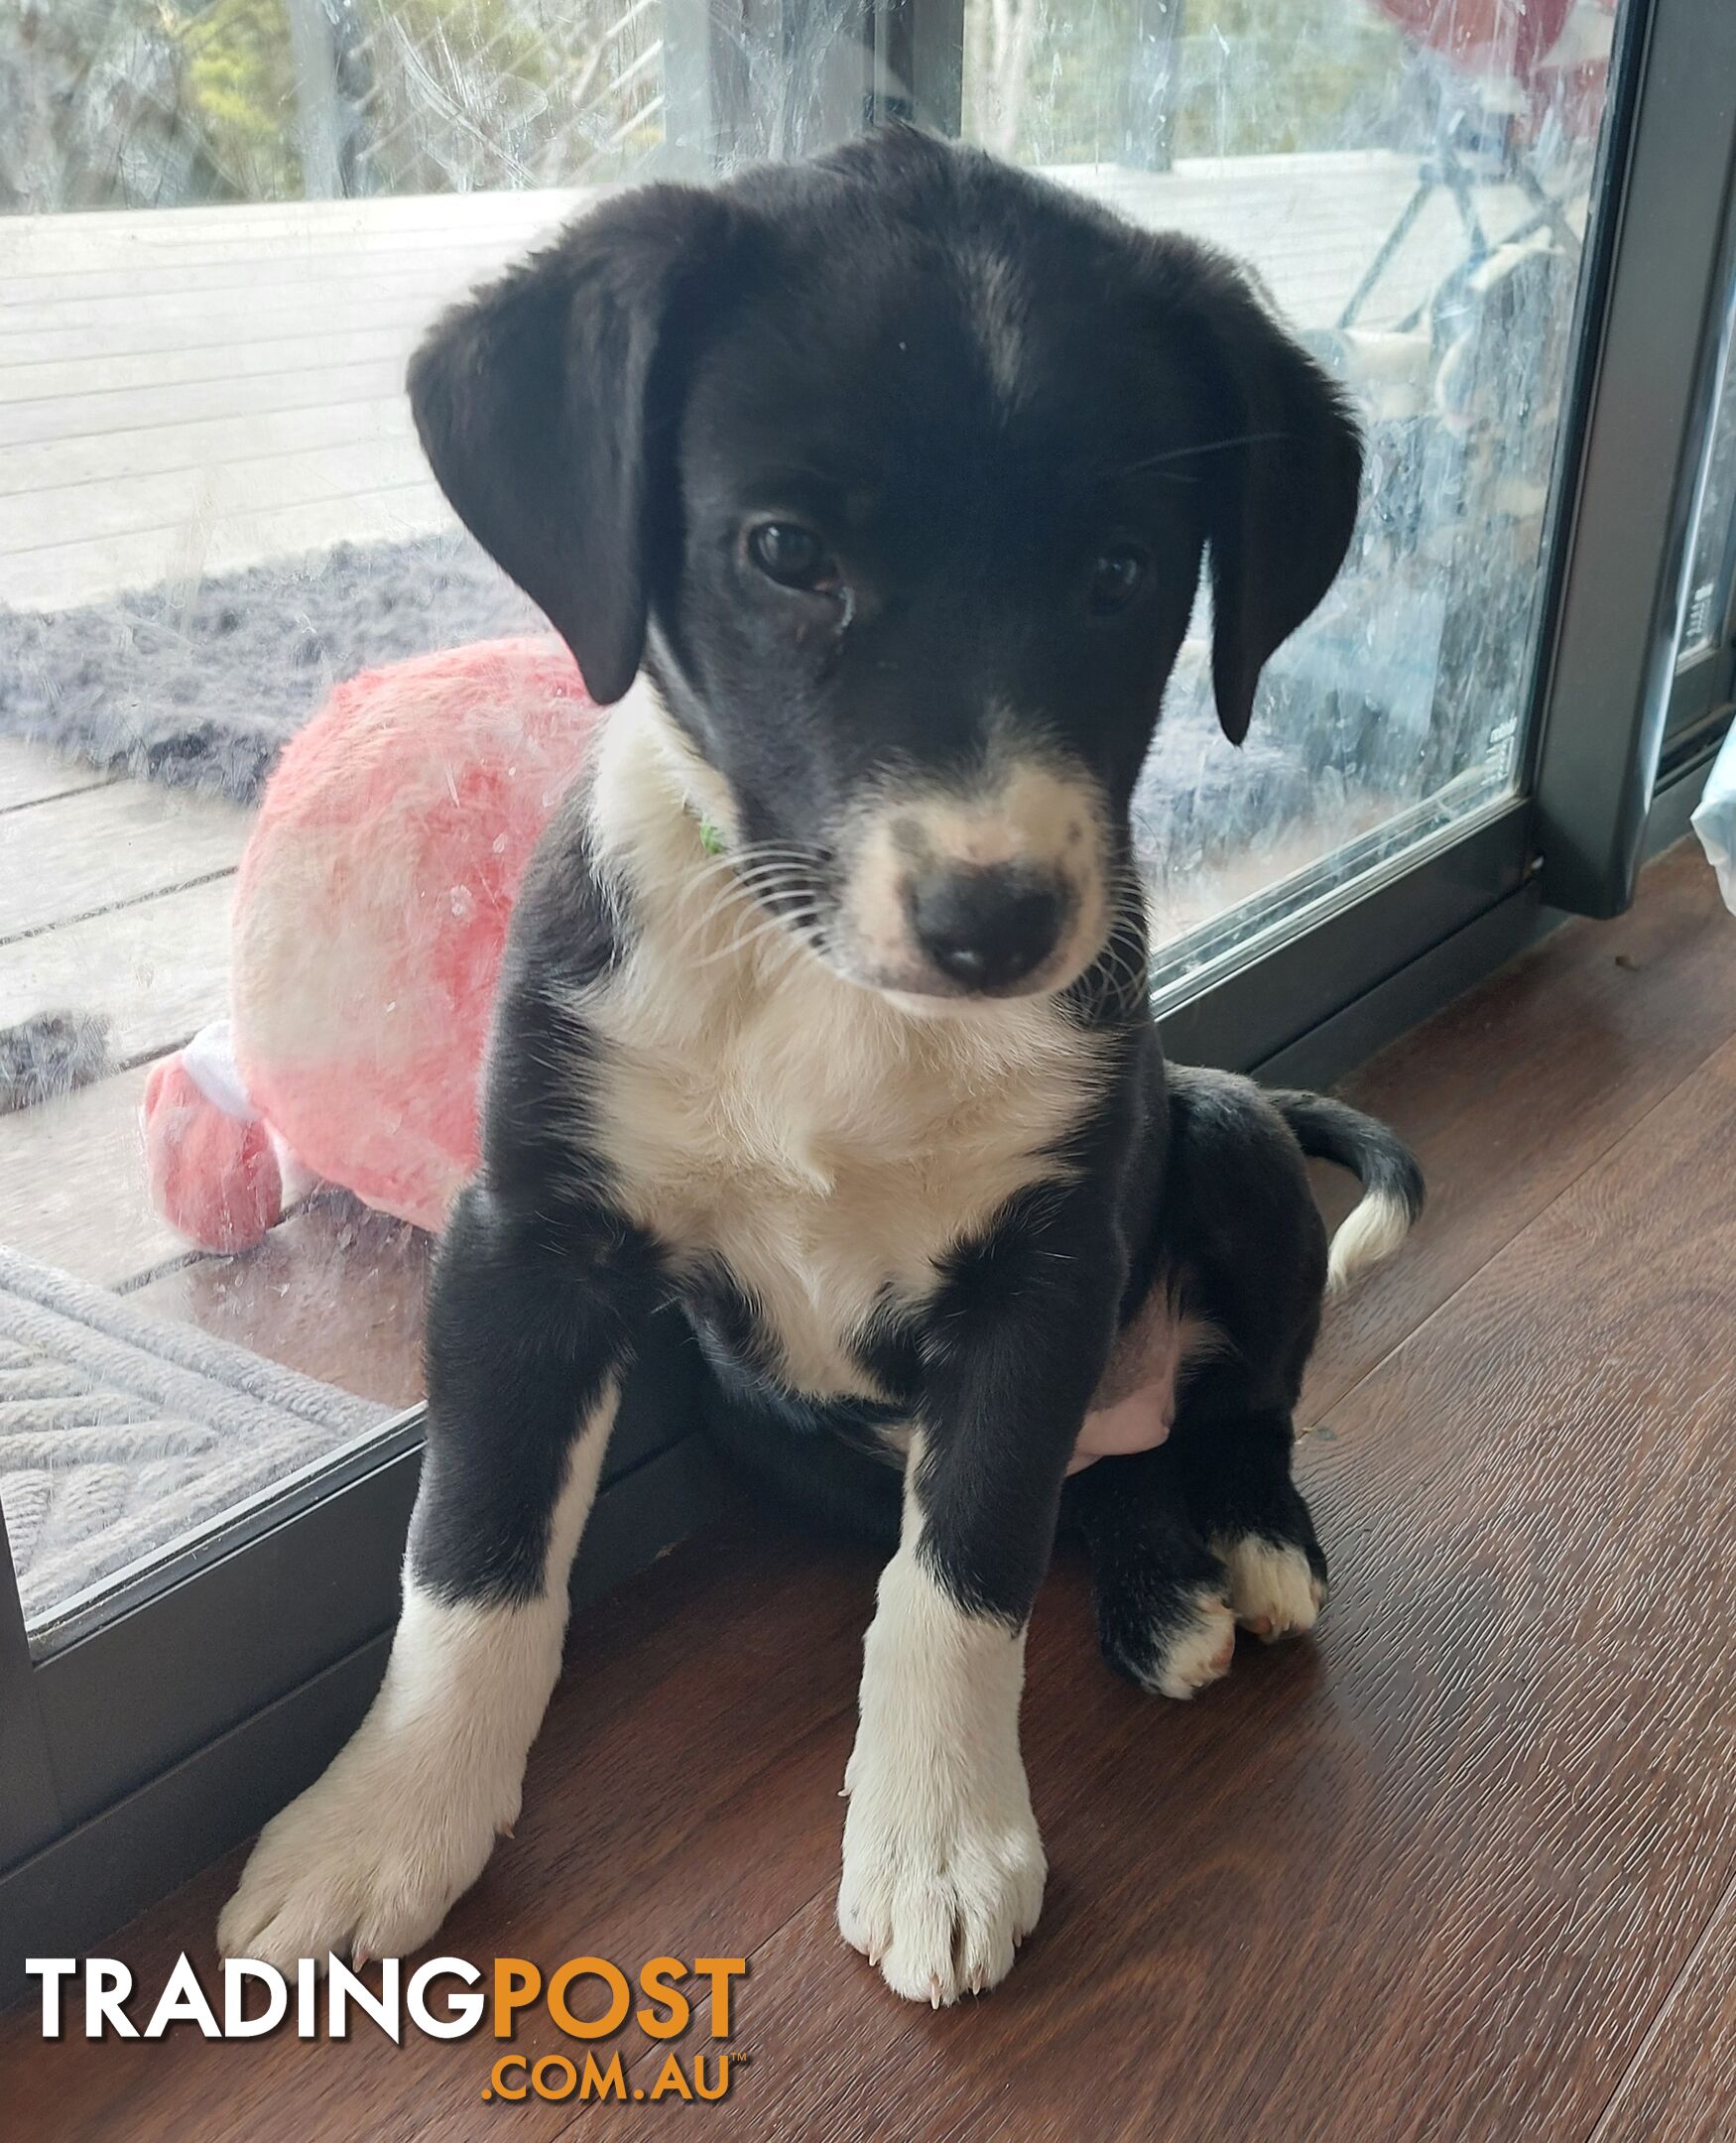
539, 407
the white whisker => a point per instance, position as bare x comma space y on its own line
1189, 453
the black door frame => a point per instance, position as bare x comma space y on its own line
1650, 369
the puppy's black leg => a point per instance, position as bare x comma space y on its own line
531, 1323
1244, 1248
1161, 1595
1232, 1462
943, 1869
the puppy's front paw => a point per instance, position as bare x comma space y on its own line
1274, 1587
370, 1858
942, 1876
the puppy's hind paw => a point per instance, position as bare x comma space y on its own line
1274, 1587
1177, 1653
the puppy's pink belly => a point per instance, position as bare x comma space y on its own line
1137, 1423
1136, 1407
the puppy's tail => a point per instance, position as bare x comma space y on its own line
1392, 1183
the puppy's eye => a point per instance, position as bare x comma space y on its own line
1115, 578
793, 556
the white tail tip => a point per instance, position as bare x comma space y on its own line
1372, 1230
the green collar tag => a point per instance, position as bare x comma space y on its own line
710, 839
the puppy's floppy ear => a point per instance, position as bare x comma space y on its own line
541, 408
1280, 499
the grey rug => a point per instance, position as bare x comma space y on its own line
51, 1054
122, 1434
202, 687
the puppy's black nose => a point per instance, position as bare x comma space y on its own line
986, 929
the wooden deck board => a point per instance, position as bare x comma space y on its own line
100, 847
335, 1292
32, 774
72, 1189
158, 970
101, 416
138, 323
116, 902
198, 443
208, 325
184, 550
73, 512
291, 349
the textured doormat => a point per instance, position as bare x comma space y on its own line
121, 1432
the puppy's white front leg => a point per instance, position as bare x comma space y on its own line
943, 1869
376, 1851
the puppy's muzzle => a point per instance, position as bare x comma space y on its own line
987, 928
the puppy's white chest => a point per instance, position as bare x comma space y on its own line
825, 1149
772, 1124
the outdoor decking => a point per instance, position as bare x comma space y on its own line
185, 391
116, 898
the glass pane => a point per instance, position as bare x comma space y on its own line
1709, 560
226, 223
1410, 182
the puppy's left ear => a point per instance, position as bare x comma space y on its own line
545, 406
1281, 495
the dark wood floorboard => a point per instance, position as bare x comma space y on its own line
1463, 1866
1682, 2088
1513, 1092
659, 1788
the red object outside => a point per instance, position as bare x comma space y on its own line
1514, 41
1473, 33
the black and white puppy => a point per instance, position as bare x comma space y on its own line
876, 491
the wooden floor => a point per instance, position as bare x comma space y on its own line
1463, 1866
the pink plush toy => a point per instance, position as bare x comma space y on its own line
370, 916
